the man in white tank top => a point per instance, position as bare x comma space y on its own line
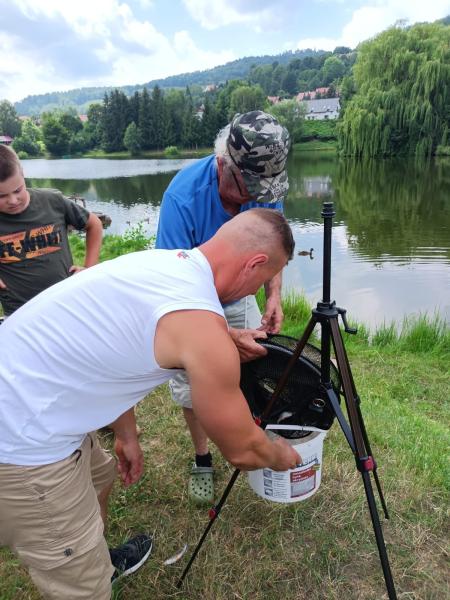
82, 353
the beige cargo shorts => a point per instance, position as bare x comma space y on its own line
50, 516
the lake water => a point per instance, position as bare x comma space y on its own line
391, 234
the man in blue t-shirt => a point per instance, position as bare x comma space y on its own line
246, 171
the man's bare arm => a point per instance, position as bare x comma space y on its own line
199, 342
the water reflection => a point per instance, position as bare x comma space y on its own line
391, 253
126, 191
101, 168
395, 209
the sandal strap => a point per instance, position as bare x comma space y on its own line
200, 470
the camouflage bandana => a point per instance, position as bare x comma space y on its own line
258, 146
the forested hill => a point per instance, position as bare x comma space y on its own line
81, 98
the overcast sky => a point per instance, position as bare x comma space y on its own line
57, 45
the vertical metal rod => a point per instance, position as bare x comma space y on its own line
327, 214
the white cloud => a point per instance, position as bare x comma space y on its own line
373, 18
179, 56
212, 15
220, 13
52, 45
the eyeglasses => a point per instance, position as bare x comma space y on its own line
241, 191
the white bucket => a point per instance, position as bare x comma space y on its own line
295, 484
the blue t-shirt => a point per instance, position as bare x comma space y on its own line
191, 210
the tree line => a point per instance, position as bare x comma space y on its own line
395, 99
81, 98
155, 120
401, 99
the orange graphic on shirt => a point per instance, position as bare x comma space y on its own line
24, 245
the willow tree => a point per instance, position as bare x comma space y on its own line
402, 103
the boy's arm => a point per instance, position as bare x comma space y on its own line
94, 234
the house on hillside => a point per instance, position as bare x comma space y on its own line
6, 139
317, 186
318, 110
83, 118
199, 112
273, 99
311, 95
301, 96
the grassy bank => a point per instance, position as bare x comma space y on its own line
316, 146
321, 549
182, 153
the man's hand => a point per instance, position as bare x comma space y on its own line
2, 285
127, 448
131, 460
273, 316
286, 457
244, 340
75, 269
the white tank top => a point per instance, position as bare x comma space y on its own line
78, 355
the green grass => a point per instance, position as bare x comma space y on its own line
316, 146
133, 240
182, 153
321, 549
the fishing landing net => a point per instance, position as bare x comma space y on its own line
303, 400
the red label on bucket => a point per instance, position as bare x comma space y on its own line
303, 482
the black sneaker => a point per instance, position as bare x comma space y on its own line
129, 557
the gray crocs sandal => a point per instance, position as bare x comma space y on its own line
201, 485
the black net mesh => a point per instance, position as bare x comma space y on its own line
303, 400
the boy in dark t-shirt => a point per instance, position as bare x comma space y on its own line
34, 245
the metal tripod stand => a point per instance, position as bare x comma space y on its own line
327, 315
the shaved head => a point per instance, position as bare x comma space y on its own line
260, 230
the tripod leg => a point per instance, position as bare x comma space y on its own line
340, 417
213, 514
364, 462
351, 383
366, 438
379, 536
369, 451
